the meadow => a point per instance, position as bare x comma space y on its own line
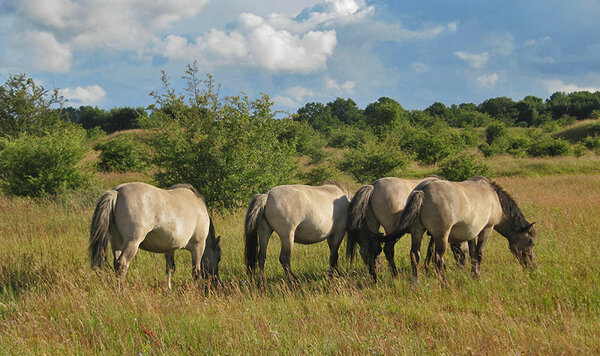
52, 302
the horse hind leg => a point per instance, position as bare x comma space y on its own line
170, 267
415, 251
388, 251
130, 248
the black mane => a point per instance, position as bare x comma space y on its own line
510, 208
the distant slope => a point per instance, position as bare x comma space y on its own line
579, 130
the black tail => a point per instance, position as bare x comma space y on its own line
100, 229
357, 213
409, 215
253, 216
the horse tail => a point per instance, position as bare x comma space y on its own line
357, 213
409, 215
100, 229
253, 216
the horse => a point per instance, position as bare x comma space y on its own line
381, 203
464, 211
298, 213
139, 215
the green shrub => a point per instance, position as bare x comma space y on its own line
494, 131
579, 150
318, 175
95, 133
229, 149
120, 154
462, 167
592, 143
48, 164
434, 144
349, 137
371, 160
546, 146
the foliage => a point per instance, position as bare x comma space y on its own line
463, 166
372, 160
229, 149
494, 131
25, 107
432, 145
385, 114
318, 175
546, 146
120, 154
48, 164
349, 137
303, 137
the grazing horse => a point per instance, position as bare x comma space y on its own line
464, 211
298, 213
380, 204
139, 215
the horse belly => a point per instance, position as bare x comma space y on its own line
307, 233
161, 241
463, 232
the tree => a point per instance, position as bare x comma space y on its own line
500, 108
229, 149
318, 116
91, 117
25, 107
346, 111
384, 114
123, 118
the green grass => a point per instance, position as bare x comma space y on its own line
579, 130
51, 302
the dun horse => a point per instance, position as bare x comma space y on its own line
298, 213
138, 215
464, 211
381, 204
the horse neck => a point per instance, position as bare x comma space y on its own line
505, 228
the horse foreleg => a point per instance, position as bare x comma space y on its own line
440, 249
285, 256
458, 253
170, 267
334, 243
481, 241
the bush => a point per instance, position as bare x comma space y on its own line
120, 155
434, 144
592, 143
349, 137
546, 146
38, 165
229, 149
318, 175
494, 132
372, 160
462, 167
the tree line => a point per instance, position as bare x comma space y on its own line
233, 147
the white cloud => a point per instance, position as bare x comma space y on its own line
420, 67
555, 85
293, 97
277, 43
502, 44
120, 24
453, 26
42, 52
89, 95
487, 81
475, 60
347, 86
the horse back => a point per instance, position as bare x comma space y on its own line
389, 198
167, 219
314, 211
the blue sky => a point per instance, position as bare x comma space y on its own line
110, 53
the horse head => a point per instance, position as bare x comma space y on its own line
521, 245
211, 258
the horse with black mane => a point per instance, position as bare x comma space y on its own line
464, 211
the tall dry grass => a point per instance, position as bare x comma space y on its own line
51, 302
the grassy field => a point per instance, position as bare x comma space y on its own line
51, 302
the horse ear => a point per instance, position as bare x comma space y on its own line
531, 225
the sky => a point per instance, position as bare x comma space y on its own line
110, 53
